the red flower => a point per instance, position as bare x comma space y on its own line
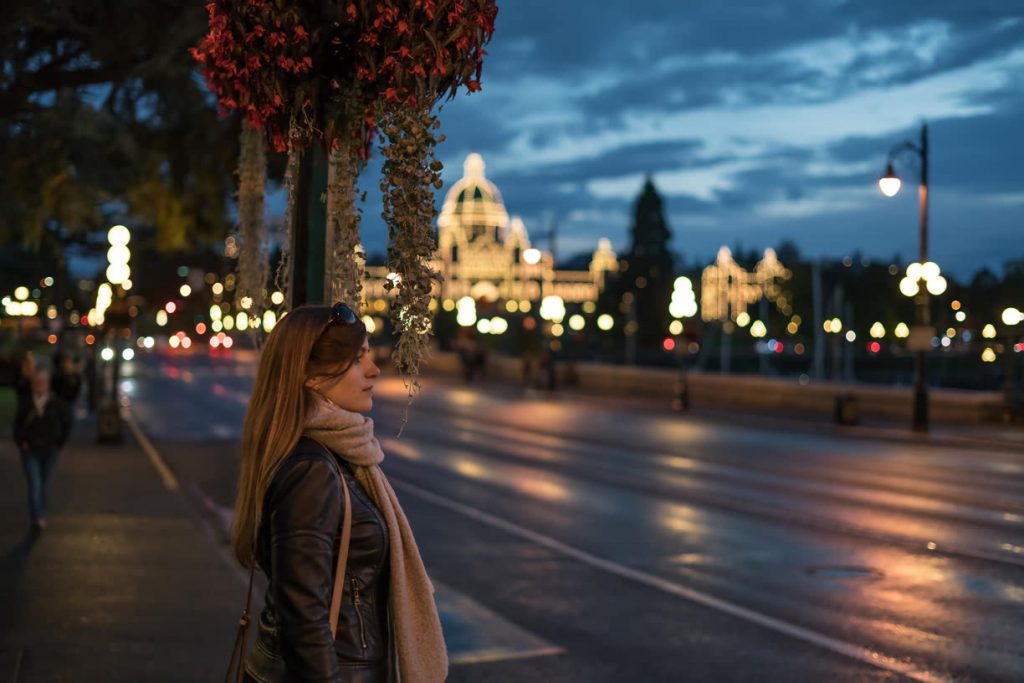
440, 66
257, 55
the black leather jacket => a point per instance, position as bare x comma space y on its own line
46, 431
297, 548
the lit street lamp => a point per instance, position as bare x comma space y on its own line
552, 312
1011, 317
549, 311
112, 313
890, 184
683, 305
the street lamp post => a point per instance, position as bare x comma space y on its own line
552, 312
683, 305
890, 184
1011, 317
113, 314
532, 258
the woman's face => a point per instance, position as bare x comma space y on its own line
353, 389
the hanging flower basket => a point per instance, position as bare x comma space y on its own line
337, 73
337, 68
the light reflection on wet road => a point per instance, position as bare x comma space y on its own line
913, 552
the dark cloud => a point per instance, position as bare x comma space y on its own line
647, 158
567, 36
567, 71
979, 154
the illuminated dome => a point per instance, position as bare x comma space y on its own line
473, 210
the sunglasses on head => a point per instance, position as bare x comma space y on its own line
341, 313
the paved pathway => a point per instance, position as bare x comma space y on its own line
124, 585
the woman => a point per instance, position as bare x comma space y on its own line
42, 425
304, 438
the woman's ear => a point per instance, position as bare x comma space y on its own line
311, 383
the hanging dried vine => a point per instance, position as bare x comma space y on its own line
331, 74
291, 172
343, 222
410, 172
253, 268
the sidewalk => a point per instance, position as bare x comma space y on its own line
125, 584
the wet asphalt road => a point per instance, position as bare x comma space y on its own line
654, 547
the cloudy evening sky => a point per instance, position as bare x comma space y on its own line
759, 120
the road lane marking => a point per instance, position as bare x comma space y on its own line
807, 635
827, 523
170, 481
485, 636
474, 634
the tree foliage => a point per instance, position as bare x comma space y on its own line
102, 116
650, 267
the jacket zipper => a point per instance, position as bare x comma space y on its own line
359, 615
358, 491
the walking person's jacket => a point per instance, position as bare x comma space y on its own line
42, 431
67, 386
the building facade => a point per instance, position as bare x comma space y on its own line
482, 253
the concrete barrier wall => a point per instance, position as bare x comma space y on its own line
714, 390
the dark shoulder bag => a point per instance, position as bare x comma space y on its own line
236, 668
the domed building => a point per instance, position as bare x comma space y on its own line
487, 255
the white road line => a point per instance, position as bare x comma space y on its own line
170, 481
841, 647
826, 523
486, 657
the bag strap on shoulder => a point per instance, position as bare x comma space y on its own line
346, 536
238, 651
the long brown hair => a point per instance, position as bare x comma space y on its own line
298, 348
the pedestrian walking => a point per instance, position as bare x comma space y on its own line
42, 425
472, 355
67, 379
348, 597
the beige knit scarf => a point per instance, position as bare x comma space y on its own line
416, 628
